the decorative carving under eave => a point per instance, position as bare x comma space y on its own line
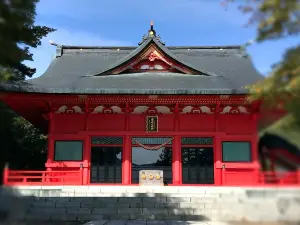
212, 110
152, 110
107, 110
234, 110
196, 110
69, 110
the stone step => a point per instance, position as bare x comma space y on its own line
121, 200
73, 218
91, 205
106, 210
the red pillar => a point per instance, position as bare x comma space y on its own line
51, 146
217, 148
219, 174
126, 166
86, 160
176, 150
176, 161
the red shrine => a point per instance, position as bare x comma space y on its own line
113, 111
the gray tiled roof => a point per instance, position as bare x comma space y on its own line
76, 70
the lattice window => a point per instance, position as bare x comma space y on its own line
105, 140
152, 140
197, 141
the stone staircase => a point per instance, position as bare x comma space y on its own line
85, 203
108, 208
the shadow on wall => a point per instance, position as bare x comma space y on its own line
12, 205
123, 203
17, 207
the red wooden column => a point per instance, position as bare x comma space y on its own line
50, 152
218, 173
126, 178
86, 159
176, 161
126, 154
176, 151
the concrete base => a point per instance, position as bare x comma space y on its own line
85, 203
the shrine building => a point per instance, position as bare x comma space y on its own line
113, 111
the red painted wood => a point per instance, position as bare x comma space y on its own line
70, 176
68, 123
176, 159
58, 177
126, 167
58, 100
236, 124
106, 122
197, 122
86, 159
232, 172
82, 126
283, 152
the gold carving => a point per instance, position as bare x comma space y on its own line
151, 177
152, 124
158, 177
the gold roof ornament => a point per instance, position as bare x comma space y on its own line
151, 34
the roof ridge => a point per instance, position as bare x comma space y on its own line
133, 47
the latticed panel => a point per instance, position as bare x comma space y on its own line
104, 140
197, 141
152, 140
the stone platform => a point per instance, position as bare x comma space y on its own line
185, 203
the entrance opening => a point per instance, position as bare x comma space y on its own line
197, 165
106, 164
152, 153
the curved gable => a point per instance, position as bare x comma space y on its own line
152, 53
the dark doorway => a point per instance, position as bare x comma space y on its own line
106, 165
197, 165
147, 158
143, 159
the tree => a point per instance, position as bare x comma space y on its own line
18, 34
277, 19
19, 139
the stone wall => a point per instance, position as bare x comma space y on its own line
167, 202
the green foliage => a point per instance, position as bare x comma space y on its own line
277, 19
18, 33
22, 145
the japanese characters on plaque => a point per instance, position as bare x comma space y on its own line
152, 123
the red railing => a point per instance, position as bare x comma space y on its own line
279, 178
75, 177
68, 177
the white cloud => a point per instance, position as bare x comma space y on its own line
43, 55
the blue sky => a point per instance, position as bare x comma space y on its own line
123, 23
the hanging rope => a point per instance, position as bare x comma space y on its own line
152, 148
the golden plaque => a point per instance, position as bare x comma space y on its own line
152, 124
